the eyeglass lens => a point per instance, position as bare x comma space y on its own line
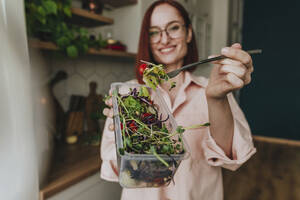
173, 30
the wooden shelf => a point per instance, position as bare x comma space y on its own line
119, 3
102, 52
279, 141
70, 165
88, 19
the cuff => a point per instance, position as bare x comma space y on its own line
109, 171
242, 148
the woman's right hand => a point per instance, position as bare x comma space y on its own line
108, 112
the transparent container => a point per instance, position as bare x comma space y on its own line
145, 170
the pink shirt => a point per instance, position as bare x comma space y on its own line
199, 176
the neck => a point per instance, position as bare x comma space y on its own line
174, 66
179, 79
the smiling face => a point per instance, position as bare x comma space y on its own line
169, 51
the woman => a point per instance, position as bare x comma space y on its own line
167, 38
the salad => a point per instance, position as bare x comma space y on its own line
154, 75
144, 129
149, 143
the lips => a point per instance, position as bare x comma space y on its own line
167, 49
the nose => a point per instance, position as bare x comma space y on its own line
164, 38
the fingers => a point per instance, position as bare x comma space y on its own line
230, 83
108, 112
239, 71
231, 73
233, 66
109, 102
234, 82
221, 87
237, 46
111, 127
212, 56
239, 55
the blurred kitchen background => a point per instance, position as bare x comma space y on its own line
54, 76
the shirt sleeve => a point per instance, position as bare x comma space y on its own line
109, 169
242, 145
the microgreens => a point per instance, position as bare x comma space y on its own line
143, 129
154, 75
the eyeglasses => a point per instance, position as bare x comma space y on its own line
173, 30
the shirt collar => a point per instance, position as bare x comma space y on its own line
181, 97
198, 80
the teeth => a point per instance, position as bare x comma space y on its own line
166, 49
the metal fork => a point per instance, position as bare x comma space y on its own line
174, 73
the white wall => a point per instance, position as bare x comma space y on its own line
126, 27
220, 14
81, 71
216, 13
127, 23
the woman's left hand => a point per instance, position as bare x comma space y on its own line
231, 73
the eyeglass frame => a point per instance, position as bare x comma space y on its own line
165, 30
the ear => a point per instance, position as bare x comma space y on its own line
189, 34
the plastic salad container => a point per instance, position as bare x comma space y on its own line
145, 170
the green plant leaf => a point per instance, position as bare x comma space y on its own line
153, 151
72, 51
67, 11
103, 44
180, 129
42, 20
173, 84
85, 48
32, 7
128, 142
100, 37
83, 32
144, 92
63, 42
50, 7
121, 151
41, 11
64, 27
59, 6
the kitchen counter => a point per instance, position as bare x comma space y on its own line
71, 164
272, 173
274, 169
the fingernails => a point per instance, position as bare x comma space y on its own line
225, 50
234, 80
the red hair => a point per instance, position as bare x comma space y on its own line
144, 50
